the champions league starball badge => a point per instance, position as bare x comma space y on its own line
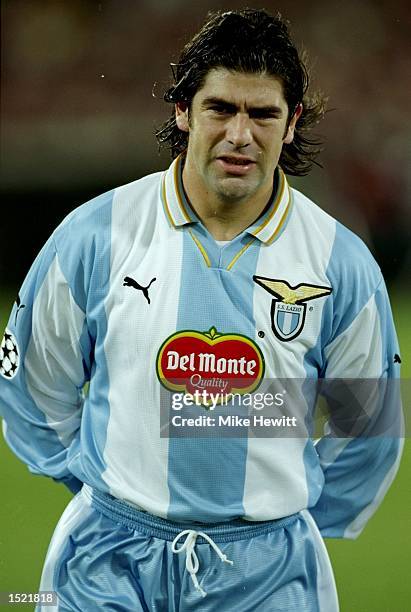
9, 356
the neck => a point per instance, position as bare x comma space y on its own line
225, 221
223, 218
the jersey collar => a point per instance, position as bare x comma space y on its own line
176, 206
270, 225
179, 212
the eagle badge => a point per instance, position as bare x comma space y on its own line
288, 308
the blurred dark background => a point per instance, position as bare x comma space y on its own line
81, 85
81, 96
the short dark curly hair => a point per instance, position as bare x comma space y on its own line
250, 41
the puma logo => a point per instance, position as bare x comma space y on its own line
130, 282
19, 307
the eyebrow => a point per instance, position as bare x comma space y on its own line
233, 107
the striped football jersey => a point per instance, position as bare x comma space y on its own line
131, 301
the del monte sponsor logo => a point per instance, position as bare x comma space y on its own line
189, 361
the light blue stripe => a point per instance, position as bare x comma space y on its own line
364, 462
84, 246
86, 266
280, 319
294, 322
367, 460
353, 276
206, 476
28, 434
388, 336
313, 472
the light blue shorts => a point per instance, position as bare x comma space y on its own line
107, 556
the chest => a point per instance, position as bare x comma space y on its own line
268, 304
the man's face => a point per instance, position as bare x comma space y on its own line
237, 126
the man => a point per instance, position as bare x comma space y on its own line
193, 279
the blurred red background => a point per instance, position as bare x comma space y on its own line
82, 86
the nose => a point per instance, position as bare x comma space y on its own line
239, 130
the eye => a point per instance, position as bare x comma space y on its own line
220, 109
263, 114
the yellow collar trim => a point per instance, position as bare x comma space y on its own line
277, 215
179, 213
201, 248
175, 204
237, 257
282, 220
178, 187
275, 204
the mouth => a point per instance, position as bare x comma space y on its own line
236, 164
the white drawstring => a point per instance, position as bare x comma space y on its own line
192, 563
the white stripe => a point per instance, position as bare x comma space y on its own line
287, 323
364, 331
173, 203
330, 454
71, 517
275, 482
143, 247
53, 362
326, 588
281, 461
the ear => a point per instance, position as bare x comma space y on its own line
182, 116
289, 135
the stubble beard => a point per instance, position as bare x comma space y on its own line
233, 190
232, 193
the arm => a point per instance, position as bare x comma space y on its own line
361, 451
41, 400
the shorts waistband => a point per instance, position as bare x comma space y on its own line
151, 525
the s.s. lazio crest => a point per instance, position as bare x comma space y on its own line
288, 308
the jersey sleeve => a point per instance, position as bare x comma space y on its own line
43, 367
360, 451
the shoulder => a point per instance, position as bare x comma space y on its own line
349, 258
350, 268
85, 240
94, 218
